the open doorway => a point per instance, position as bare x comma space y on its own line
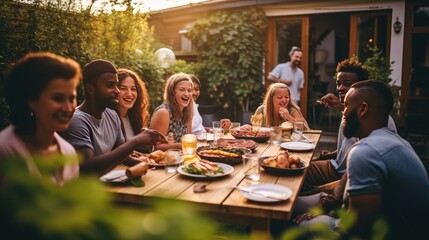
329, 44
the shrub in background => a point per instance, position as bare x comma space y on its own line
232, 46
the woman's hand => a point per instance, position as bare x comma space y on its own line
170, 138
284, 113
225, 124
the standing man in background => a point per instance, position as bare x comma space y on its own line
290, 74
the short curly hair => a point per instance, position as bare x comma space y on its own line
353, 65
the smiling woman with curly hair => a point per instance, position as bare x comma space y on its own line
133, 102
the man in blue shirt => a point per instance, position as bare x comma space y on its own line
385, 178
332, 165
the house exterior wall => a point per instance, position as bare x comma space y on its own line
169, 23
397, 8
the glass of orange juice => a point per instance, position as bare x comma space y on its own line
189, 147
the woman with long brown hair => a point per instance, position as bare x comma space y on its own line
133, 102
174, 115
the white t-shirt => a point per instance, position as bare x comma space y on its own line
197, 121
284, 71
129, 133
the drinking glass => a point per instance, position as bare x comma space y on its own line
235, 125
217, 131
202, 138
298, 128
189, 147
287, 128
172, 160
251, 168
276, 135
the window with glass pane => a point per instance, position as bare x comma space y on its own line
421, 16
419, 84
372, 31
288, 35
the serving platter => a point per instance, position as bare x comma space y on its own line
228, 169
237, 143
282, 171
260, 135
231, 160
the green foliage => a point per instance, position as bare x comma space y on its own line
381, 69
378, 66
232, 47
35, 208
123, 37
181, 66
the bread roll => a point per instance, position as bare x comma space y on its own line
157, 156
137, 170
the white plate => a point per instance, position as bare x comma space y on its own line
269, 189
227, 170
114, 176
297, 146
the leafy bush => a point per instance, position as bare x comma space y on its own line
381, 69
123, 37
232, 47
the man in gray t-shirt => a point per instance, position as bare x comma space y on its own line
95, 129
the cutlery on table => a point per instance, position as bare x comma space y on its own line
308, 140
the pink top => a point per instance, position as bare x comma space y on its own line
12, 145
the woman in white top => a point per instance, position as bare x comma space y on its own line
40, 89
133, 108
197, 120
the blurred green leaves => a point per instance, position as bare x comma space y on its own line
35, 208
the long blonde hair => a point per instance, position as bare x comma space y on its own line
170, 97
269, 103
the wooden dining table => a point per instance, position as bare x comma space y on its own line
221, 200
